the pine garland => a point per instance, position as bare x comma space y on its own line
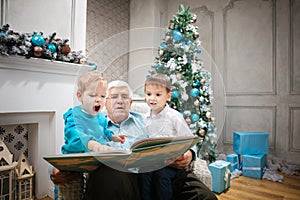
37, 45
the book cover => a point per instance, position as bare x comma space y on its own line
146, 154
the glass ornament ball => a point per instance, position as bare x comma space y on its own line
188, 120
163, 44
171, 26
197, 83
65, 49
167, 38
196, 35
37, 51
177, 35
203, 81
194, 92
159, 65
160, 52
4, 35
37, 40
197, 102
175, 94
198, 51
195, 117
179, 76
201, 132
51, 47
210, 129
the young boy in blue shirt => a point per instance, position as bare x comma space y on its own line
85, 126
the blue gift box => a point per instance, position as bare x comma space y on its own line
250, 142
220, 174
234, 162
254, 165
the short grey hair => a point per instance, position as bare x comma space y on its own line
118, 84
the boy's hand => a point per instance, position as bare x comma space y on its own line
118, 138
96, 146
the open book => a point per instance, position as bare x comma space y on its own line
144, 154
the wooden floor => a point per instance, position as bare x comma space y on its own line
244, 188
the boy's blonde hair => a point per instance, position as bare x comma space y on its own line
159, 79
86, 79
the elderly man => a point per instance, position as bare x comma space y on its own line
108, 183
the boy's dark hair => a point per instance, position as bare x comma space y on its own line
159, 79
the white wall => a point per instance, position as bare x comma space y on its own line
67, 18
147, 23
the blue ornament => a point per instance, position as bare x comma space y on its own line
189, 42
210, 129
93, 65
197, 83
194, 92
195, 117
175, 94
163, 44
177, 35
51, 47
3, 34
198, 51
183, 43
159, 65
37, 40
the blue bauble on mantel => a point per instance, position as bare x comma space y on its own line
175, 94
37, 40
177, 35
51, 48
194, 92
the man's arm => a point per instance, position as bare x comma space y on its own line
183, 161
59, 177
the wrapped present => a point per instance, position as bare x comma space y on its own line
250, 143
234, 161
254, 165
220, 175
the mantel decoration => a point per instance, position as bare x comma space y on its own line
37, 45
191, 89
7, 173
25, 175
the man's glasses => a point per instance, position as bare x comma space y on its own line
118, 96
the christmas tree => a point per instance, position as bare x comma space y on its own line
191, 89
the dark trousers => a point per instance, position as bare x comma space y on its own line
158, 184
110, 184
187, 186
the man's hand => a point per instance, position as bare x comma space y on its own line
183, 161
59, 177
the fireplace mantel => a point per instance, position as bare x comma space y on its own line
41, 65
38, 92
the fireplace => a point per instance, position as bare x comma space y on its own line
36, 93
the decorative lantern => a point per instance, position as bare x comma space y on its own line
24, 178
7, 173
